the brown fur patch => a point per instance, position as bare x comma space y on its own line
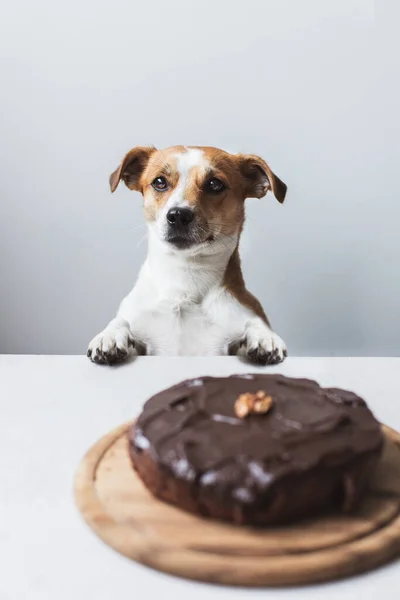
234, 283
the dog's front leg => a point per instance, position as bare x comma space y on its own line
259, 344
115, 343
246, 334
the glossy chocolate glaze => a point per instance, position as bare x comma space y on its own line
192, 433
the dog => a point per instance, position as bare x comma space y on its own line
190, 298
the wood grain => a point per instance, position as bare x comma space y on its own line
115, 504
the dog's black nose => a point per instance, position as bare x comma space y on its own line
180, 217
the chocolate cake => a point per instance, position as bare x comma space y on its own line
256, 449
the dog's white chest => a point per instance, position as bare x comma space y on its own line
184, 311
180, 329
171, 308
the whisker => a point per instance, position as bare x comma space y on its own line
142, 240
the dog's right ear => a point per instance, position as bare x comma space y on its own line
259, 178
131, 168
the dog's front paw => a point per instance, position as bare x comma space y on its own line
114, 345
262, 346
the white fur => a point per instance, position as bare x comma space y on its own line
193, 157
179, 305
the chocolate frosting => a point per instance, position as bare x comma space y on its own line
191, 430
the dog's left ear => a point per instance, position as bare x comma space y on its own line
131, 168
259, 179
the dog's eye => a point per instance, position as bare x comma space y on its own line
160, 184
214, 186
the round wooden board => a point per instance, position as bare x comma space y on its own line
116, 505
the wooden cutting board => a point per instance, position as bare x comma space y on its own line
116, 505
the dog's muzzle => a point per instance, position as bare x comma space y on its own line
180, 231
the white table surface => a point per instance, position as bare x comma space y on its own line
53, 408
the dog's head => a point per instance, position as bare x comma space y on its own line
194, 196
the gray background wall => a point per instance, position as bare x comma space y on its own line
313, 87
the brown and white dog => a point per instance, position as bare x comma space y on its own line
190, 297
